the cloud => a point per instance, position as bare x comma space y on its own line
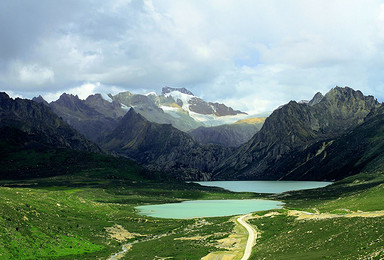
29, 76
35, 75
84, 90
224, 50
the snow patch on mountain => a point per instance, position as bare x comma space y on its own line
151, 94
106, 97
185, 98
213, 120
125, 107
172, 111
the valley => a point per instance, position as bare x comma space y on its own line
100, 218
74, 172
191, 130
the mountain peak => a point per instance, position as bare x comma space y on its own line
166, 90
349, 95
67, 97
4, 96
316, 99
71, 102
40, 99
41, 124
95, 98
338, 92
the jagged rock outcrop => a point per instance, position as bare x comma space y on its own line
316, 99
294, 127
92, 117
40, 124
163, 147
111, 109
231, 135
40, 99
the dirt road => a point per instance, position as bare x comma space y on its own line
251, 237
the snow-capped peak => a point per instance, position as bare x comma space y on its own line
166, 90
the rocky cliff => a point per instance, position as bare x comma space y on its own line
293, 128
359, 150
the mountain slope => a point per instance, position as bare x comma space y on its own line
99, 114
179, 107
41, 124
35, 143
163, 147
230, 134
92, 117
40, 99
206, 113
149, 106
295, 127
191, 103
360, 150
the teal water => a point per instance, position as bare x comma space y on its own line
207, 208
265, 186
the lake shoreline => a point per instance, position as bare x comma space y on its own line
207, 208
267, 187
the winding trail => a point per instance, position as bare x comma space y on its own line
237, 245
236, 240
121, 254
251, 237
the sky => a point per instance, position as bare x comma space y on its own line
253, 55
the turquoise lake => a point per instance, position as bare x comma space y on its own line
207, 208
218, 208
265, 186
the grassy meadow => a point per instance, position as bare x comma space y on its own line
83, 207
336, 233
71, 217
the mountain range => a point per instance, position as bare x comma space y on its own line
40, 124
330, 137
99, 114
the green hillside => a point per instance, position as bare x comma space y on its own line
344, 221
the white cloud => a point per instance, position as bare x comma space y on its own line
36, 75
267, 51
25, 77
82, 91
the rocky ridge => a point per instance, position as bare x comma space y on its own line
93, 117
359, 150
40, 124
295, 127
